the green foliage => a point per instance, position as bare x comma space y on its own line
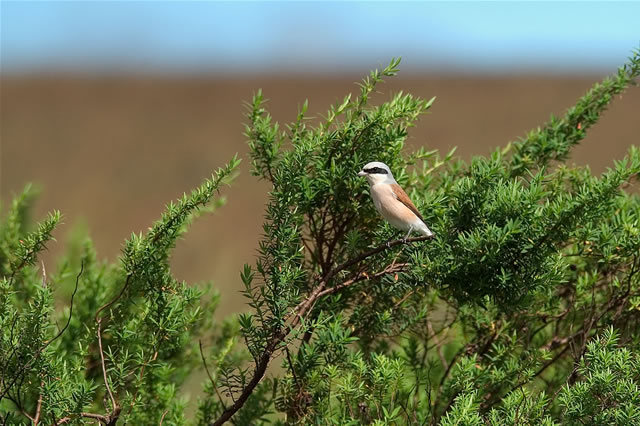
609, 389
505, 317
531, 259
126, 337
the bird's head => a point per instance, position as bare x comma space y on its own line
376, 172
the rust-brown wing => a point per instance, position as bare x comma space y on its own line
404, 199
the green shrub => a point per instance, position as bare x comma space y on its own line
507, 316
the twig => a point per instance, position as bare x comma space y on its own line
361, 277
20, 408
36, 418
99, 417
162, 418
213, 382
70, 303
44, 275
443, 360
115, 299
114, 404
544, 367
293, 371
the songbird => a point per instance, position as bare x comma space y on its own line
391, 200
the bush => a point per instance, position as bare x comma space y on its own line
507, 316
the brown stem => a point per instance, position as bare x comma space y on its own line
100, 417
162, 418
115, 407
36, 418
443, 360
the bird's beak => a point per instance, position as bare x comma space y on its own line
361, 173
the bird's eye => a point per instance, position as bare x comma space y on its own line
376, 170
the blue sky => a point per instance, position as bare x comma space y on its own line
319, 37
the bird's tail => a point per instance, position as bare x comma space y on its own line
424, 230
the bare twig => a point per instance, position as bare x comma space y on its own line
162, 418
36, 418
115, 299
44, 275
19, 407
114, 405
75, 290
101, 418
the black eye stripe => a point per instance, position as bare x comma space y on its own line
376, 170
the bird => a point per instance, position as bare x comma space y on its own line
391, 201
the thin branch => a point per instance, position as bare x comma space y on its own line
99, 417
377, 250
20, 408
213, 382
36, 418
363, 276
70, 304
293, 370
443, 360
44, 275
162, 418
115, 299
544, 367
115, 406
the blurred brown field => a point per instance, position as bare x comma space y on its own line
113, 150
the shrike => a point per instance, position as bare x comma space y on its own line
391, 200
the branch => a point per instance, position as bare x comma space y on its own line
70, 303
162, 418
101, 418
377, 250
323, 283
115, 299
36, 418
300, 310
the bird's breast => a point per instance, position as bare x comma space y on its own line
381, 196
390, 208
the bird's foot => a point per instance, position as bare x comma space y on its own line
404, 240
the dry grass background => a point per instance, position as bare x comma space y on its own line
112, 150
